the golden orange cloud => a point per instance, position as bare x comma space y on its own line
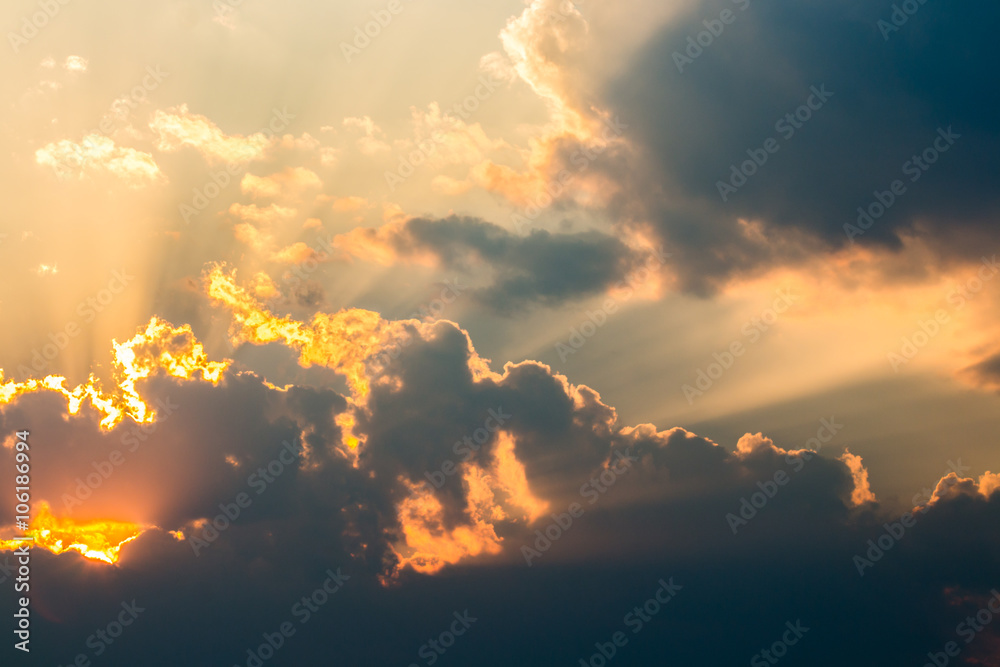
290, 182
862, 492
160, 347
97, 540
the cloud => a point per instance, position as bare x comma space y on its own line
252, 236
986, 372
177, 127
660, 175
542, 44
862, 488
75, 64
884, 104
370, 143
263, 216
515, 450
290, 182
441, 481
296, 253
430, 477
346, 204
541, 268
96, 154
448, 139
952, 486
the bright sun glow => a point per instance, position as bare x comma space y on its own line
97, 540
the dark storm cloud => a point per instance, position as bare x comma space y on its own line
540, 268
876, 102
412, 431
649, 506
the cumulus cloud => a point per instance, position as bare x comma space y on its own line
883, 107
433, 477
440, 481
100, 154
371, 140
543, 44
177, 128
453, 141
661, 174
952, 486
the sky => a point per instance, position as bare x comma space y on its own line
416, 332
